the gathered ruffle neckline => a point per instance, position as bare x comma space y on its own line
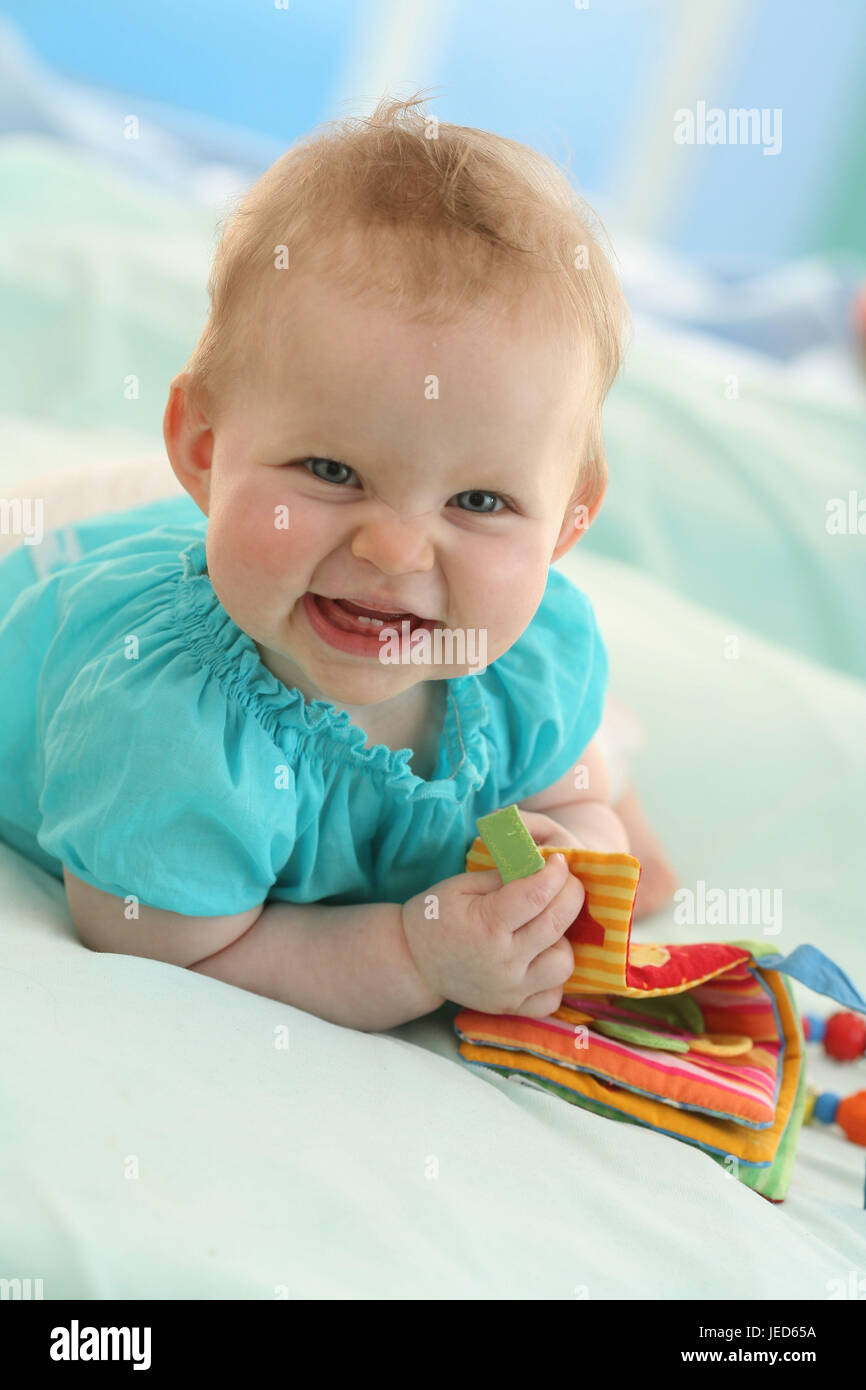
233, 658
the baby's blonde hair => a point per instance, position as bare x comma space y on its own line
436, 217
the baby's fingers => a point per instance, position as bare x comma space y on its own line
551, 923
541, 1005
524, 899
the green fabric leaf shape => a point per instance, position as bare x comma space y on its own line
642, 1037
677, 1010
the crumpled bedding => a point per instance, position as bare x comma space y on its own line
168, 1136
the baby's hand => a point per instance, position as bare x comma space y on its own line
499, 948
545, 831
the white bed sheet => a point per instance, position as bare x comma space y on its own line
351, 1165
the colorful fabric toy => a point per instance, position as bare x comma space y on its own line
702, 1042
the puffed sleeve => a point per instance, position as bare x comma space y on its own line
154, 784
546, 693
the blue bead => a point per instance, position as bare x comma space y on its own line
826, 1106
817, 1027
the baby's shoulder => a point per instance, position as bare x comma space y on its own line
66, 599
561, 643
125, 532
92, 594
546, 693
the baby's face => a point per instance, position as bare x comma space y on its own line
412, 467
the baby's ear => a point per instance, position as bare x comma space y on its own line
583, 507
188, 438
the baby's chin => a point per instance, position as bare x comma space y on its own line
372, 682
345, 680
367, 693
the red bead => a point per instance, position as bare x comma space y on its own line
851, 1115
845, 1037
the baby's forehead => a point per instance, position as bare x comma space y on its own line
351, 374
317, 332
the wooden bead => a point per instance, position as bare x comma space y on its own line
845, 1037
851, 1115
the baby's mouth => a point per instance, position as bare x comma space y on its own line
354, 617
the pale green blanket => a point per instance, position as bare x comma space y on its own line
160, 1141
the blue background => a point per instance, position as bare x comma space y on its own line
596, 87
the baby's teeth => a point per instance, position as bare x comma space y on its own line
362, 619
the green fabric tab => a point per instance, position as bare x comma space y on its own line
511, 846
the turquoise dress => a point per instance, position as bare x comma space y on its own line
145, 746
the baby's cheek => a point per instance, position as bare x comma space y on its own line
253, 540
288, 547
505, 597
234, 561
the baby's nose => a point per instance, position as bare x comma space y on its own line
394, 544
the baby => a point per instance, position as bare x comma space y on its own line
229, 726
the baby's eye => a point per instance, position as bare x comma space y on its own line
331, 470
477, 498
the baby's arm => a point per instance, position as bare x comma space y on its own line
584, 812
102, 923
349, 965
